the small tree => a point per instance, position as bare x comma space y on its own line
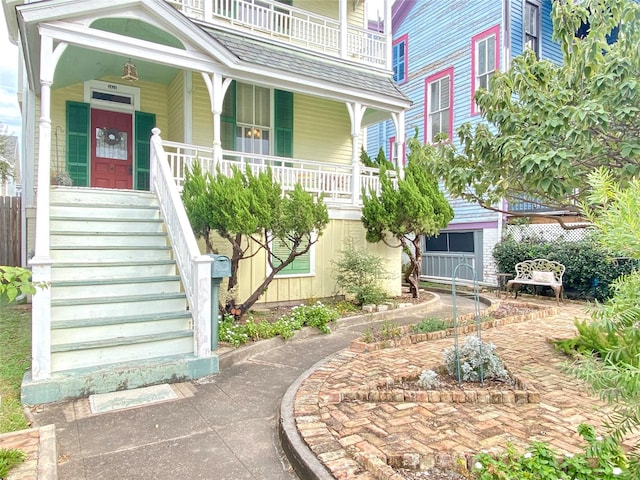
407, 210
548, 126
250, 212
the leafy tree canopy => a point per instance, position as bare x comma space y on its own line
249, 211
407, 208
548, 126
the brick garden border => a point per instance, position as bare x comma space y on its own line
408, 338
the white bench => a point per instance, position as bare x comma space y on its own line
546, 273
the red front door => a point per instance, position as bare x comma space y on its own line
111, 149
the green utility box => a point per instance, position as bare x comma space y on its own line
220, 268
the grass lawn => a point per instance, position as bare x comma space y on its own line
15, 359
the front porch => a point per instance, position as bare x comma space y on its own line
339, 33
340, 185
220, 94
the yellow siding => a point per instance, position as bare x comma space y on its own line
175, 99
59, 98
334, 239
330, 9
327, 8
202, 116
321, 130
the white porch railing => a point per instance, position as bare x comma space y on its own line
195, 268
334, 180
291, 25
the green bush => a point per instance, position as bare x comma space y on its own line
316, 315
430, 324
601, 460
359, 273
590, 269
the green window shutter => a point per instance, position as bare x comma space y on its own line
228, 119
283, 116
78, 143
301, 264
144, 123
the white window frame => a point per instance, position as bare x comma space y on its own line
92, 86
438, 78
538, 26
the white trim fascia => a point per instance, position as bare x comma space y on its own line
308, 86
127, 46
346, 212
157, 13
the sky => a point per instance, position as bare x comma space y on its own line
9, 111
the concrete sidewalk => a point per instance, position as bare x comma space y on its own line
222, 427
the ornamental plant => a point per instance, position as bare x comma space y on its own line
477, 361
316, 315
600, 460
15, 281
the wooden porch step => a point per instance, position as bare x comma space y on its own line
115, 299
112, 287
120, 341
103, 270
111, 350
108, 253
105, 239
98, 322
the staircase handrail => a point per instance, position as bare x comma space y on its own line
195, 268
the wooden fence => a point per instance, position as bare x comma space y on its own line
10, 228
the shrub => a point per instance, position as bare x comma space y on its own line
430, 324
316, 315
428, 379
601, 461
590, 268
478, 361
359, 273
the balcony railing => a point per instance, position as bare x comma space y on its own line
333, 180
291, 25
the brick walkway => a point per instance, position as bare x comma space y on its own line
29, 442
364, 439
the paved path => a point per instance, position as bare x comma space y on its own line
362, 439
224, 427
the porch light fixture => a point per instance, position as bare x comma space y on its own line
129, 71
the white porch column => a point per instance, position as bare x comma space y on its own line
208, 10
41, 262
398, 122
217, 88
388, 31
343, 28
356, 112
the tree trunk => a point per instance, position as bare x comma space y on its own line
412, 249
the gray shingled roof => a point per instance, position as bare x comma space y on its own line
305, 64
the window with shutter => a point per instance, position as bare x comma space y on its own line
302, 265
77, 163
144, 123
283, 118
399, 61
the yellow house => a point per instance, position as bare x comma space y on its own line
118, 98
